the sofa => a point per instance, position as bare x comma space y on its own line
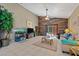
67, 43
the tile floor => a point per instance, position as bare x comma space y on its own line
27, 48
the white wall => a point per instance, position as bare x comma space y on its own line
21, 15
74, 21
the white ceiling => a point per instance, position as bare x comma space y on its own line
55, 10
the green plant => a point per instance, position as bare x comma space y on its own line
6, 19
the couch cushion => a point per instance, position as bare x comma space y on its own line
71, 42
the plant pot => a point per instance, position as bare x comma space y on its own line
5, 42
0, 43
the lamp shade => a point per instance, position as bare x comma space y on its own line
67, 30
46, 18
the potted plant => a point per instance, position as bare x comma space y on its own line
6, 24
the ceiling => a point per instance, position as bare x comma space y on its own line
55, 10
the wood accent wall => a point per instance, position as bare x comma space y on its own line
62, 23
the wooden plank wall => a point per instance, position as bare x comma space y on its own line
61, 22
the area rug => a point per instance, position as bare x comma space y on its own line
45, 45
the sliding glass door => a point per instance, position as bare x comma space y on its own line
48, 29
51, 29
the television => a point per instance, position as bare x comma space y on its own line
30, 30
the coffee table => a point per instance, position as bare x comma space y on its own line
48, 40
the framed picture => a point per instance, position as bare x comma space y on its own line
29, 24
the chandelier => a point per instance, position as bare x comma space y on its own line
46, 17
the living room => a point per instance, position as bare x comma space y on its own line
38, 28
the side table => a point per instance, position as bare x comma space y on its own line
74, 50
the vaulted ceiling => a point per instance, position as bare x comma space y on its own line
55, 10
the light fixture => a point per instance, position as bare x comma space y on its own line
46, 17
